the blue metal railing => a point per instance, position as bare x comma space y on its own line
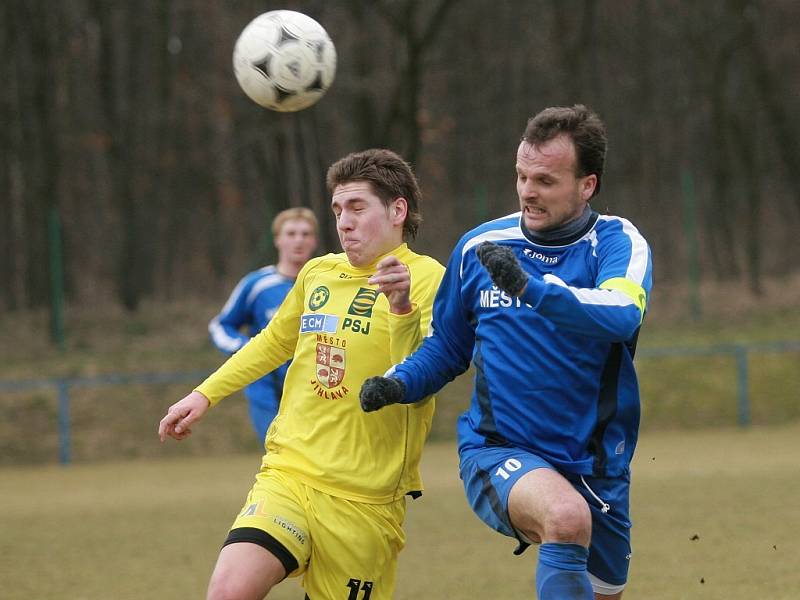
63, 385
740, 353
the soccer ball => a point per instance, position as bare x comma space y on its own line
284, 60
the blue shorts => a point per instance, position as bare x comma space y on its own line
490, 472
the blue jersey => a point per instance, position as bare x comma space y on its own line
251, 305
553, 368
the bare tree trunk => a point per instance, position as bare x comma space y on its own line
649, 155
11, 233
570, 46
749, 164
401, 127
767, 84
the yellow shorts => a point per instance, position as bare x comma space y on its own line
344, 550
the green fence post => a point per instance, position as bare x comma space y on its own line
265, 248
743, 386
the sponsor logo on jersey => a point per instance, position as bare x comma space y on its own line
362, 304
318, 323
319, 297
548, 260
330, 365
497, 298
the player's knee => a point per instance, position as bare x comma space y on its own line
569, 522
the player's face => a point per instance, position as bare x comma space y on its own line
367, 228
550, 193
296, 241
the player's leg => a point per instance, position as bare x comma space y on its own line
244, 571
544, 506
356, 547
520, 495
269, 540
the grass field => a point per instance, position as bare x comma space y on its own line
715, 513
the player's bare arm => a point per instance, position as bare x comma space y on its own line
393, 279
182, 415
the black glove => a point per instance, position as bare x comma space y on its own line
503, 267
377, 392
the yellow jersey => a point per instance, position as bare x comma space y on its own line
338, 331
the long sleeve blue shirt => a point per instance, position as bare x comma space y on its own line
554, 367
249, 308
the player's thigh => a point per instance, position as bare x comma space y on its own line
275, 517
355, 551
244, 571
489, 474
545, 506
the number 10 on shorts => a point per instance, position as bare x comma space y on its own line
511, 465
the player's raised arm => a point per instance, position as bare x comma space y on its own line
182, 415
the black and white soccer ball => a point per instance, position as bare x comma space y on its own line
284, 60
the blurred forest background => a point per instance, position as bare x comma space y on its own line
123, 119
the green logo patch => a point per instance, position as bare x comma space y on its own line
362, 304
319, 297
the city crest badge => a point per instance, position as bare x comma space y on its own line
330, 365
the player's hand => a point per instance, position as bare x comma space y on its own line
181, 415
503, 268
394, 280
377, 392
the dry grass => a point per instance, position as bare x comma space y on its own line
145, 529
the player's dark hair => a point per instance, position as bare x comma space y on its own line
584, 128
391, 177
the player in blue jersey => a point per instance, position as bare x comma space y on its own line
547, 304
254, 301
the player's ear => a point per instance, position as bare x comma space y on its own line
398, 210
587, 186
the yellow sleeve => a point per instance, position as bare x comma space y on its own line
405, 334
268, 350
634, 291
407, 331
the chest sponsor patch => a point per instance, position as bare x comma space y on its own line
319, 323
330, 365
362, 304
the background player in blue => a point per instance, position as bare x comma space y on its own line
547, 304
254, 301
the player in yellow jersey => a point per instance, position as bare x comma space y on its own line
329, 500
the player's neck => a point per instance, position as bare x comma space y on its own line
288, 268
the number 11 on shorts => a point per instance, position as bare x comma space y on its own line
355, 585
